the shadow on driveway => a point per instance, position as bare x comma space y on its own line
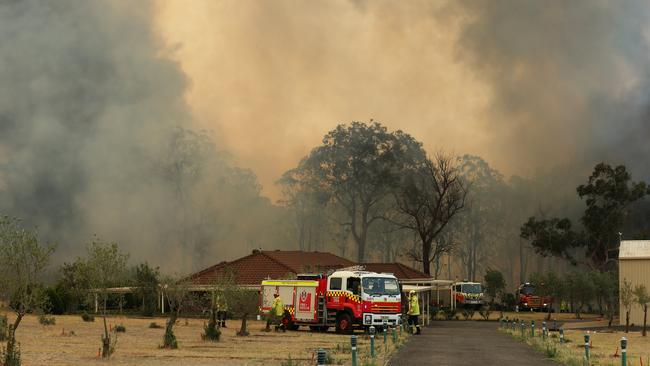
462, 343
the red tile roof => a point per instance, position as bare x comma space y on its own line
399, 270
260, 265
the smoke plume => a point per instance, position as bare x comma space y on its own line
96, 137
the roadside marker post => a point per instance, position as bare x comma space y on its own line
522, 328
623, 351
587, 347
385, 334
372, 331
394, 335
322, 356
353, 347
532, 328
544, 330
561, 335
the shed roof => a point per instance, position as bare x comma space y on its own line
634, 249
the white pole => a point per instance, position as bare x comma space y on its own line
96, 304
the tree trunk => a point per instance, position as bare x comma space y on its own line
169, 340
645, 317
243, 331
11, 342
549, 309
627, 321
106, 340
426, 253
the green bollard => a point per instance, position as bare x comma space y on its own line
523, 334
532, 328
561, 335
623, 351
372, 331
394, 335
587, 348
385, 334
353, 347
544, 330
322, 357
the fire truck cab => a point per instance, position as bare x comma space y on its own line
528, 300
468, 294
344, 299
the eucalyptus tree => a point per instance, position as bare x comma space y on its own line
357, 167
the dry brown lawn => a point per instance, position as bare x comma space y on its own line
53, 345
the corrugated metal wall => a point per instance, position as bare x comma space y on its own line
637, 271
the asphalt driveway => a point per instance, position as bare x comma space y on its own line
461, 343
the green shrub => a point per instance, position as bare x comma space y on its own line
87, 317
468, 313
4, 328
10, 358
46, 320
154, 325
120, 328
211, 332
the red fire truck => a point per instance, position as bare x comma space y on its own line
345, 299
527, 300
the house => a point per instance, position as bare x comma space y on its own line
634, 266
249, 271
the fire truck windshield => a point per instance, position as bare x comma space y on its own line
380, 286
472, 288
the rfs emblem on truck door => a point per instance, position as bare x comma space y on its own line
304, 303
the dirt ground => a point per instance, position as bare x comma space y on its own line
139, 345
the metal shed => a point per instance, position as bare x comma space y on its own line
634, 266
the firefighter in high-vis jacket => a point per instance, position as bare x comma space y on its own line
414, 312
276, 314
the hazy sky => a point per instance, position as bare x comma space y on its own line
270, 78
527, 85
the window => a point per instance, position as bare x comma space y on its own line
380, 286
335, 283
352, 285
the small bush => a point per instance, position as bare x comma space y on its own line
211, 332
4, 328
11, 358
485, 312
87, 317
468, 313
154, 325
46, 320
120, 328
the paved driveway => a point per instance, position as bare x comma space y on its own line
460, 343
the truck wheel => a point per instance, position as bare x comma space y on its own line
344, 323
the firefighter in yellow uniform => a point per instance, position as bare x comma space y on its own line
414, 312
276, 314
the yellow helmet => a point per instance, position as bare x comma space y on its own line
412, 292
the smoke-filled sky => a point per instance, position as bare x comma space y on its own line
93, 95
526, 84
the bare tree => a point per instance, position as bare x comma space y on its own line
428, 198
22, 261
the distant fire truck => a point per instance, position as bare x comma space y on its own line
527, 300
345, 299
468, 294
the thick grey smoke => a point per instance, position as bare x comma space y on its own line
94, 137
570, 79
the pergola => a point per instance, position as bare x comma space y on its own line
425, 288
161, 292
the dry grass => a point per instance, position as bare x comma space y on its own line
604, 350
139, 345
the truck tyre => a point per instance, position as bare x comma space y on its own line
344, 323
